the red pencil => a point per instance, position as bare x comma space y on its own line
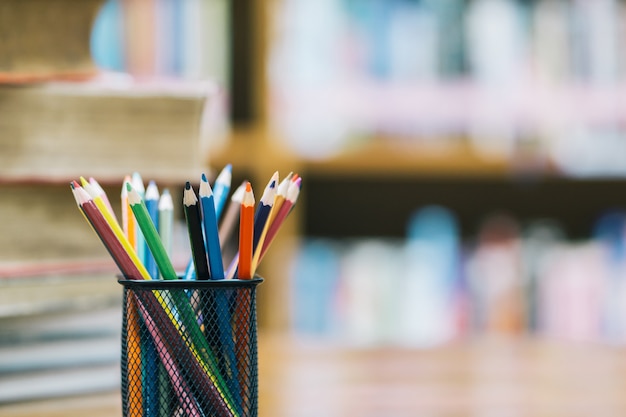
104, 231
292, 196
246, 234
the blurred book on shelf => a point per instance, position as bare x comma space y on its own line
46, 39
507, 76
436, 286
187, 39
59, 331
106, 127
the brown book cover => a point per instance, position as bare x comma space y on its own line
46, 39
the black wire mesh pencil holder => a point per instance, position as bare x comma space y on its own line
189, 348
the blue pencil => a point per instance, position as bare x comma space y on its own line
152, 204
150, 367
211, 236
220, 191
263, 211
221, 317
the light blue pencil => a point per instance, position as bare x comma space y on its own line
152, 204
221, 188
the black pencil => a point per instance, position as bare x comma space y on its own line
194, 228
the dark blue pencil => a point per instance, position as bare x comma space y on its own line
263, 211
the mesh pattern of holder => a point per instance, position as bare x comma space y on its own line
189, 348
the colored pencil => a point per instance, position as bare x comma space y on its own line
99, 224
220, 315
133, 358
166, 220
183, 306
166, 225
101, 193
140, 242
246, 234
128, 224
117, 231
194, 228
120, 249
261, 222
185, 396
150, 233
130, 270
150, 356
221, 189
281, 215
209, 221
231, 216
191, 361
152, 205
220, 195
281, 195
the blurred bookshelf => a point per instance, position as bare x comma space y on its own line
429, 105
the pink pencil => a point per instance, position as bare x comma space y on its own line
292, 196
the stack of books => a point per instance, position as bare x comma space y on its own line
61, 117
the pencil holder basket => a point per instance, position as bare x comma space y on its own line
189, 348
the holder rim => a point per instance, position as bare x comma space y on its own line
188, 284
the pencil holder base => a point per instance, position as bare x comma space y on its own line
189, 348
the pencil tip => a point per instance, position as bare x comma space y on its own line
187, 185
129, 187
204, 177
248, 187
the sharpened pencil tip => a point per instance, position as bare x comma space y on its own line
248, 186
204, 177
129, 187
187, 185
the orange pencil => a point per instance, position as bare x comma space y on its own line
128, 219
246, 234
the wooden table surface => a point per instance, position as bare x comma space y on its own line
485, 378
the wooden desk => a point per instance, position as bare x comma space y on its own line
499, 378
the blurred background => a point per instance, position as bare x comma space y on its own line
464, 167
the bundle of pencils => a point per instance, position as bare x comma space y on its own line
141, 246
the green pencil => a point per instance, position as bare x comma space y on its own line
182, 303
